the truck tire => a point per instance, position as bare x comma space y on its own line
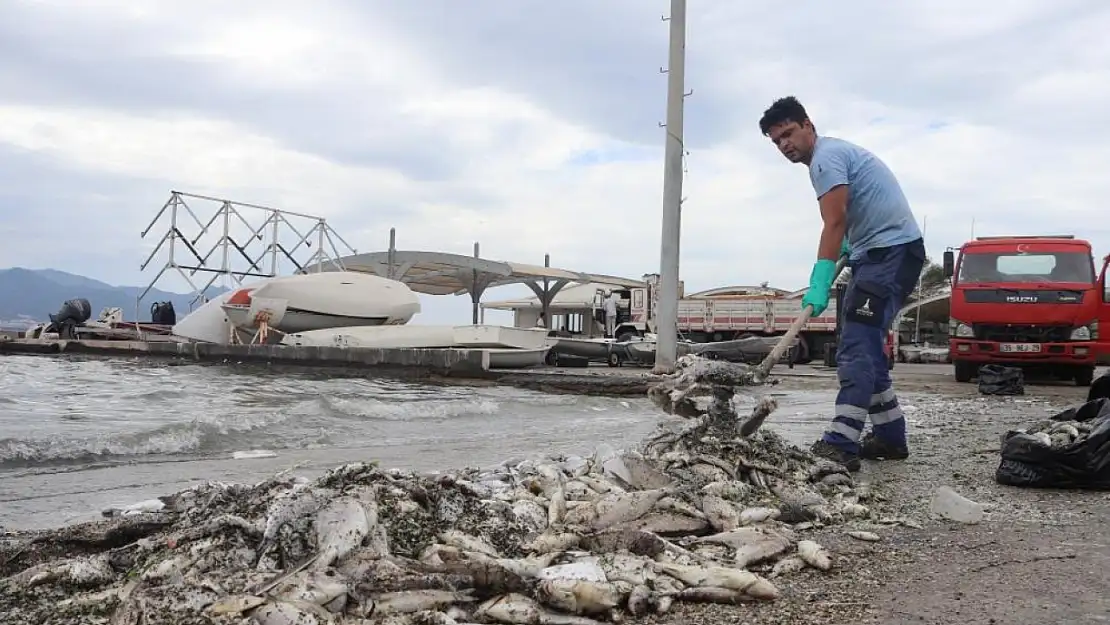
964, 371
1084, 376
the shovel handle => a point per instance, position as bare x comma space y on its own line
788, 338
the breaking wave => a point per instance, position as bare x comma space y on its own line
63, 412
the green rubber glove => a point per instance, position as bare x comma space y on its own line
845, 250
820, 281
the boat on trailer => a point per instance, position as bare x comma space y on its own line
300, 303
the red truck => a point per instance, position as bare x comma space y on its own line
1031, 301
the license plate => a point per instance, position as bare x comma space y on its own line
1022, 348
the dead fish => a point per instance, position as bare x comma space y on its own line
731, 490
286, 508
235, 604
315, 587
870, 537
408, 601
739, 580
341, 526
531, 514
787, 566
551, 541
855, 510
814, 555
667, 524
639, 600
722, 515
751, 516
617, 508
1042, 439
624, 567
752, 544
580, 596
674, 504
518, 609
82, 571
634, 541
285, 612
557, 508
600, 485
465, 542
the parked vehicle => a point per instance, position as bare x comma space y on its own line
728, 314
1030, 301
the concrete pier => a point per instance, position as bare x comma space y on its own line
451, 366
446, 362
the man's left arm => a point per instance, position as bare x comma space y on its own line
834, 214
829, 174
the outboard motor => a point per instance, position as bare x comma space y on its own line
74, 312
162, 313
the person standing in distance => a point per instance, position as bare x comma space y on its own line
867, 218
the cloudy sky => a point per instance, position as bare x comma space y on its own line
532, 126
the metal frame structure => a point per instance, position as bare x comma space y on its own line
237, 258
444, 273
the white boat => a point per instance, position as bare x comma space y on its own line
302, 303
417, 336
508, 348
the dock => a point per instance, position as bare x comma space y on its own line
450, 366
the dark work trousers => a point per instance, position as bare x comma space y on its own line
881, 281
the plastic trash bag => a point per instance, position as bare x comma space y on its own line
999, 380
1083, 464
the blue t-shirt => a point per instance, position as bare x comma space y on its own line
878, 213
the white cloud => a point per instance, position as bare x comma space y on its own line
457, 125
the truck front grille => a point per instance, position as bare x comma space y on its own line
1021, 333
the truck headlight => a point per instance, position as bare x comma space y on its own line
960, 330
1085, 333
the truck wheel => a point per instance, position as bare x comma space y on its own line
614, 359
1084, 376
964, 371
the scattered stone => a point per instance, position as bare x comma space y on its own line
948, 504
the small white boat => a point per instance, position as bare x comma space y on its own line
331, 299
416, 336
300, 303
508, 348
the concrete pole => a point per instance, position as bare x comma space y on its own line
666, 349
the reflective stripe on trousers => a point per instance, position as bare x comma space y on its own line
880, 283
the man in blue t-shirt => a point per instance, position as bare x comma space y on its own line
866, 217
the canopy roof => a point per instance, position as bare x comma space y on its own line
577, 297
444, 273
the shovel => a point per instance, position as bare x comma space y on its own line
752, 424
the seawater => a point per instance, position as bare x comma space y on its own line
79, 435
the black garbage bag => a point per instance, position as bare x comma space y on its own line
1100, 388
1084, 464
999, 380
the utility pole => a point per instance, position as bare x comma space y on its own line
666, 346
917, 315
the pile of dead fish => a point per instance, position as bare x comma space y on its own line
1054, 433
691, 516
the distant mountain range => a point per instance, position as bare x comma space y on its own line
31, 295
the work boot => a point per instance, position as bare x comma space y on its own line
828, 451
874, 448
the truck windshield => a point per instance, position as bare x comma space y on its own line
978, 267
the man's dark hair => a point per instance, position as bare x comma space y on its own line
781, 111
